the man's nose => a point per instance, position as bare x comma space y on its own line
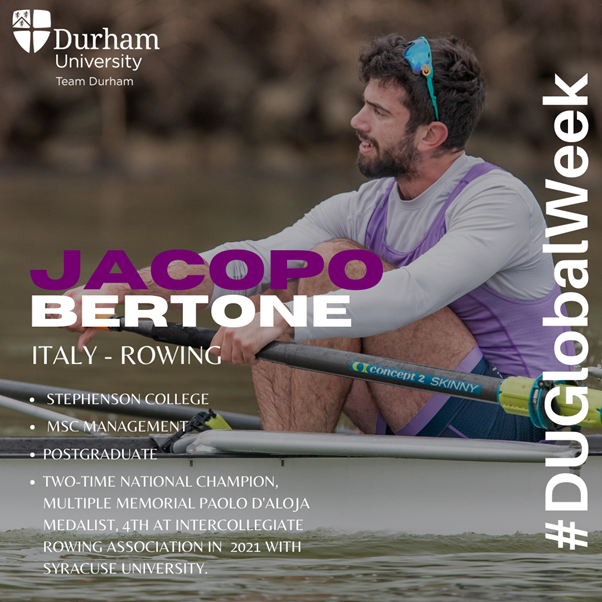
358, 121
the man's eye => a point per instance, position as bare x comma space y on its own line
378, 112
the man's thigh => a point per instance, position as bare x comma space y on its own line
439, 340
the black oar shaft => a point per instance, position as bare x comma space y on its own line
382, 370
173, 333
340, 363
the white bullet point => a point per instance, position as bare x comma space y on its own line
32, 482
32, 399
32, 455
33, 427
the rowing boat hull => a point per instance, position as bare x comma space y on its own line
346, 494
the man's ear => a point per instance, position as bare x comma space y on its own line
430, 136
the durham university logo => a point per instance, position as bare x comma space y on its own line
31, 28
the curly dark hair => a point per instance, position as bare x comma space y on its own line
457, 81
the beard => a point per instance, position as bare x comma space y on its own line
400, 160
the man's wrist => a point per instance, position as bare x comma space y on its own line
283, 325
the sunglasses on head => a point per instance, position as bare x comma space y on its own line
419, 57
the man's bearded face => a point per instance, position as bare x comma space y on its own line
392, 161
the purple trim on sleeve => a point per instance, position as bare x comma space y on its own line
376, 231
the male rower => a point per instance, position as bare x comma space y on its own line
466, 284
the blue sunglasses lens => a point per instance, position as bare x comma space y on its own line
419, 57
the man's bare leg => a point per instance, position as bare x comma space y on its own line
439, 340
299, 400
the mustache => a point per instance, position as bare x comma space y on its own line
365, 138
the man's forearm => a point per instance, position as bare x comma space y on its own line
178, 270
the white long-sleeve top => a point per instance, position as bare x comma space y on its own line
495, 232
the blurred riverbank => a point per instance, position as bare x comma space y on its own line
272, 84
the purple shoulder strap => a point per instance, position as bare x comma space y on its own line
377, 226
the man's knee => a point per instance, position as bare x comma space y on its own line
354, 269
329, 248
285, 295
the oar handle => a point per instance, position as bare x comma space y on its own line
337, 362
514, 394
172, 333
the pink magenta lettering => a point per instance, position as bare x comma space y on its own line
163, 279
71, 272
280, 272
374, 269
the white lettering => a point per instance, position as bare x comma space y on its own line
63, 306
571, 97
218, 311
323, 309
271, 303
90, 311
573, 479
570, 135
553, 209
570, 394
133, 311
189, 306
562, 320
570, 265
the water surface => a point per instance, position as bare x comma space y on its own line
358, 568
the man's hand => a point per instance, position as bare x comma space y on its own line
87, 334
239, 345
